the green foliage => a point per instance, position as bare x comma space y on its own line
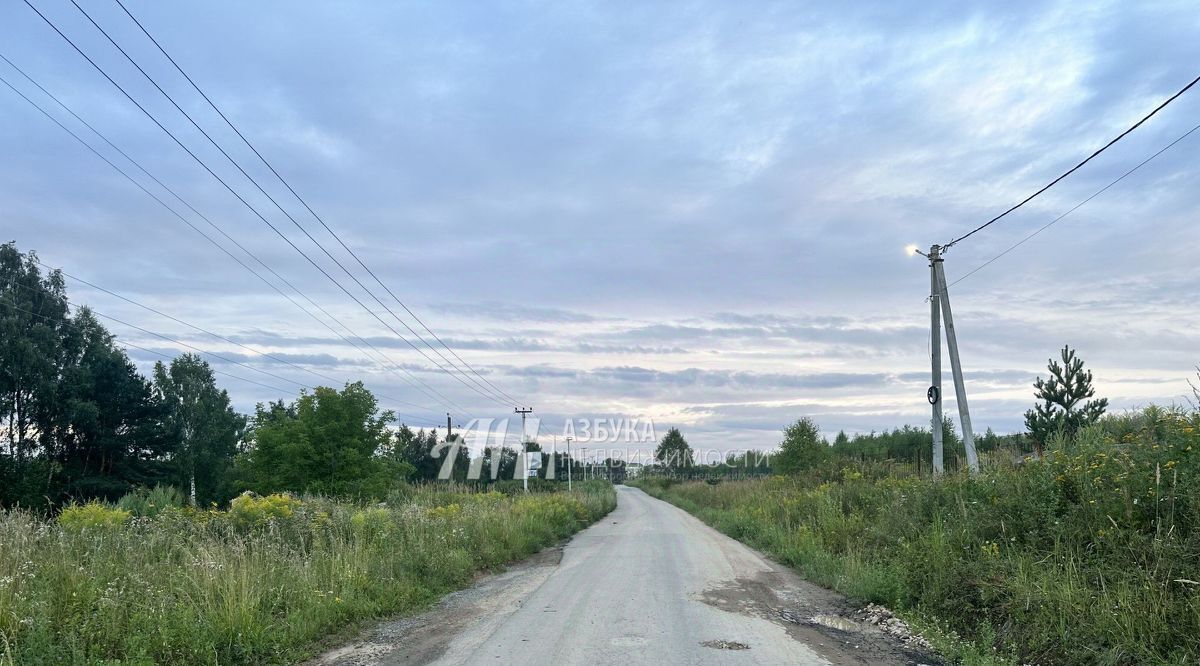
517, 486
1086, 556
250, 510
80, 421
673, 451
802, 447
1063, 409
195, 587
148, 504
201, 419
328, 441
92, 515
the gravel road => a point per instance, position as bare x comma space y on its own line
648, 584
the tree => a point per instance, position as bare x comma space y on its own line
104, 432
673, 451
1063, 408
328, 441
204, 425
802, 447
34, 322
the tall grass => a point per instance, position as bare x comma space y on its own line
259, 583
1089, 556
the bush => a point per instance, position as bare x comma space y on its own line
92, 515
250, 510
148, 504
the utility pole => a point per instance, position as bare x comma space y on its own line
570, 463
524, 449
940, 301
447, 426
935, 354
960, 389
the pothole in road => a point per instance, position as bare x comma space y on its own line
717, 644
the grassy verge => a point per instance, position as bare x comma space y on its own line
1090, 556
258, 583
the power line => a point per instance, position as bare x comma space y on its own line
389, 364
149, 351
78, 307
304, 231
309, 208
1120, 136
1076, 206
223, 182
248, 348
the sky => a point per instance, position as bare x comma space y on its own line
690, 213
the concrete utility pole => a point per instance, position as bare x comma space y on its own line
570, 463
935, 355
940, 299
447, 426
524, 449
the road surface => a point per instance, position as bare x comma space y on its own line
648, 584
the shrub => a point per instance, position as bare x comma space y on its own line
250, 510
148, 504
92, 515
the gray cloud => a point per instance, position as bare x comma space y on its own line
695, 211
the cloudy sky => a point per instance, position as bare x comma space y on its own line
689, 212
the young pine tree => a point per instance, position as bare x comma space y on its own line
1065, 406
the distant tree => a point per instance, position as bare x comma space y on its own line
328, 441
498, 463
1065, 406
802, 447
841, 440
202, 421
673, 451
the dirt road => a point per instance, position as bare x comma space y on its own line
648, 584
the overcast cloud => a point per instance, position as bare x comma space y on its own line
694, 212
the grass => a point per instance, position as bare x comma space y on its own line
1089, 556
260, 583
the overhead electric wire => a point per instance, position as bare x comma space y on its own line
484, 392
222, 181
1076, 167
215, 355
1075, 207
205, 331
414, 381
309, 208
151, 351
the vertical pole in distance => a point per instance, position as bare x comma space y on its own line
960, 389
524, 457
570, 463
935, 356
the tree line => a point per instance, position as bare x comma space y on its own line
78, 421
1066, 403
